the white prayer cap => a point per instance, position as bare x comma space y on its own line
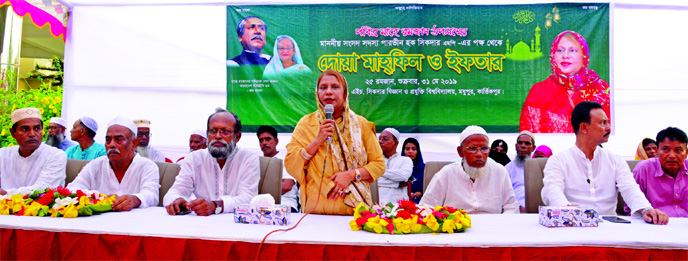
471, 130
530, 134
126, 122
392, 131
25, 113
59, 121
90, 123
142, 123
200, 133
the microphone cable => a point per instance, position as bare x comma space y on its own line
322, 177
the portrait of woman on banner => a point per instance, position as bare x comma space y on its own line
549, 104
345, 146
286, 60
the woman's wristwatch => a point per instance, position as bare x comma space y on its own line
358, 175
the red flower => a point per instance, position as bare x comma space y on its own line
390, 227
63, 191
403, 214
408, 206
46, 199
361, 221
80, 193
451, 210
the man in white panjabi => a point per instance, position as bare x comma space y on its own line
475, 184
30, 164
398, 169
221, 177
144, 148
268, 140
134, 179
590, 176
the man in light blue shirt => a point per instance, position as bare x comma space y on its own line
84, 132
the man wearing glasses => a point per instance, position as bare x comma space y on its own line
144, 149
475, 184
56, 134
222, 176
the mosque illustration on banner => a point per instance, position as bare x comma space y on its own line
522, 51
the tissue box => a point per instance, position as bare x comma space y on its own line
568, 216
276, 215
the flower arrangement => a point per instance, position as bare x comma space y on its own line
59, 202
409, 218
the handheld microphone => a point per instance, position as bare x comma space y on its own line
329, 109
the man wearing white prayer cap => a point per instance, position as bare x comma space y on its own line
221, 177
398, 169
475, 184
134, 179
28, 165
197, 141
144, 135
84, 132
56, 134
525, 144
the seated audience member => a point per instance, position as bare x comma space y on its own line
664, 179
84, 132
398, 169
588, 175
498, 152
267, 137
221, 177
412, 150
647, 149
542, 151
144, 136
197, 141
475, 184
28, 165
56, 134
525, 143
134, 179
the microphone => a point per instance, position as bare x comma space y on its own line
329, 109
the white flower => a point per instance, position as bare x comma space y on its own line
60, 202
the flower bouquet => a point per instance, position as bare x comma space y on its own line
59, 202
409, 218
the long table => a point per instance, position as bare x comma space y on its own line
153, 234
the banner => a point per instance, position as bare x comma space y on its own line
421, 68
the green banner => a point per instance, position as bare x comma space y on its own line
417, 68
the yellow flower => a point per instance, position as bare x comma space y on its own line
374, 220
53, 212
4, 209
431, 222
17, 208
45, 101
377, 228
84, 201
354, 226
70, 211
458, 225
383, 222
415, 227
57, 99
448, 226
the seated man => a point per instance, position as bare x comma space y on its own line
84, 132
664, 179
197, 141
588, 175
134, 179
525, 143
267, 137
398, 169
475, 184
144, 136
29, 165
56, 134
222, 176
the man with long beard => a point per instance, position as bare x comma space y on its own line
525, 143
475, 184
588, 175
222, 176
56, 134
144, 135
134, 179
